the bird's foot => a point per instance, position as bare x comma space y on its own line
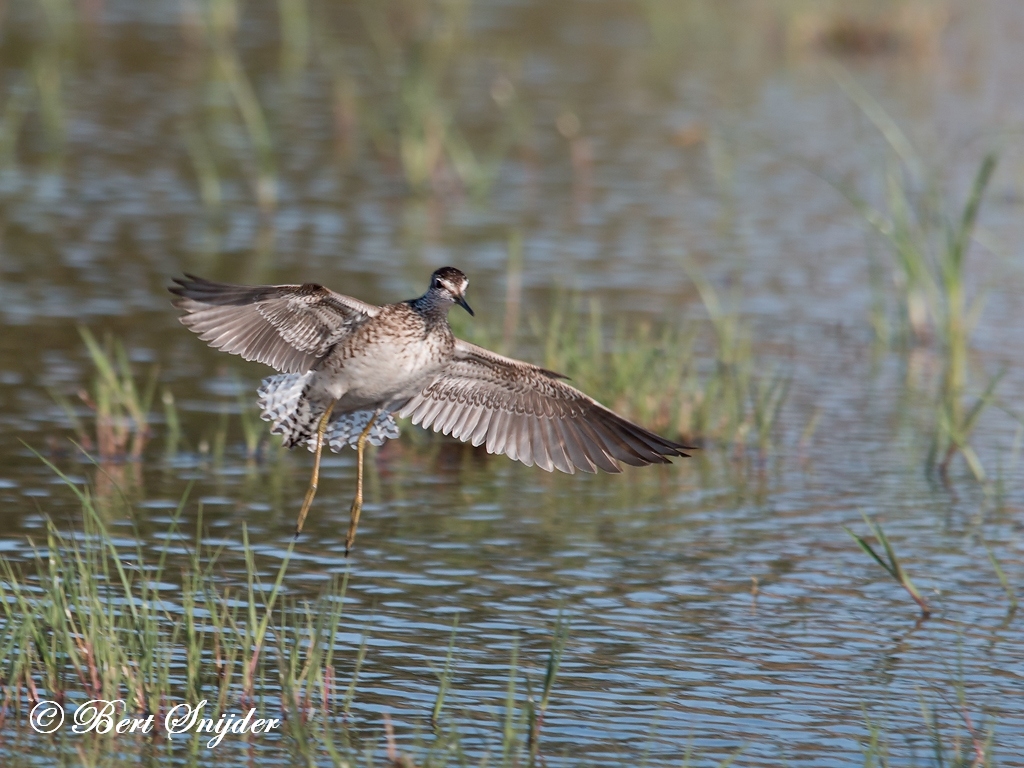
350, 539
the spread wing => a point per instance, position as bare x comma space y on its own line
530, 414
288, 327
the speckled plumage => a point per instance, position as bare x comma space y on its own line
403, 359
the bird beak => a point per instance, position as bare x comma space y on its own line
461, 301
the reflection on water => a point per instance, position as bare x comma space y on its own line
363, 146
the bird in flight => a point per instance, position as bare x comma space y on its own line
347, 368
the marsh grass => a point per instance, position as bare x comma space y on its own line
537, 704
48, 74
35, 103
97, 619
98, 615
219, 20
205, 167
889, 562
417, 58
15, 110
925, 275
410, 117
172, 422
119, 402
120, 412
255, 431
296, 37
965, 745
737, 399
1004, 581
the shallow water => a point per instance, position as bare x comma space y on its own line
712, 150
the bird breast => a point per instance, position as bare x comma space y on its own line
386, 367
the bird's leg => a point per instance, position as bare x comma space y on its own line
357, 503
311, 490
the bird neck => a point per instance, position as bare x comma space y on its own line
433, 305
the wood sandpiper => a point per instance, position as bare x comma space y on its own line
348, 367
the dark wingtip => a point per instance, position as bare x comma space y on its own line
681, 449
184, 284
554, 374
179, 287
674, 448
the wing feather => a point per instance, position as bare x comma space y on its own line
556, 449
574, 447
482, 428
520, 436
464, 424
540, 445
528, 441
511, 445
452, 414
497, 433
597, 451
531, 415
430, 414
444, 418
617, 447
288, 327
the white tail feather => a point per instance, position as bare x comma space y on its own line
345, 430
284, 404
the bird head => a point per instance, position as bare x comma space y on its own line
450, 284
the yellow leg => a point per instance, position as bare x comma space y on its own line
357, 503
311, 490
